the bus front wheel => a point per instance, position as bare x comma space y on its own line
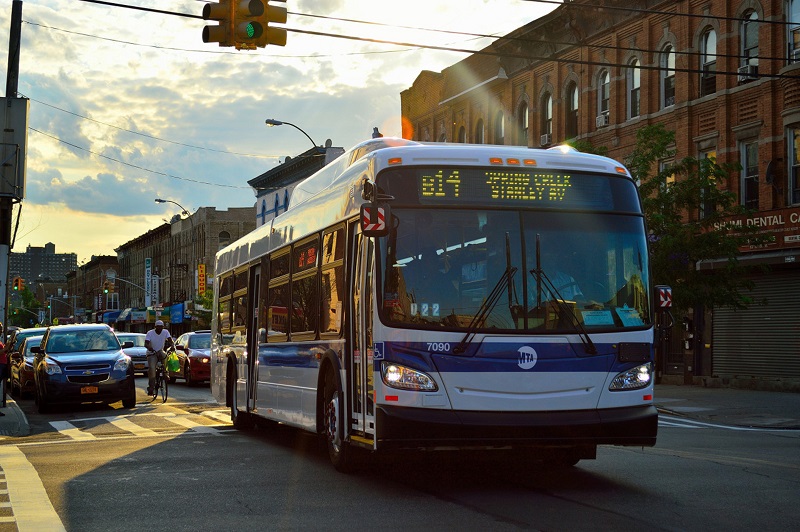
338, 450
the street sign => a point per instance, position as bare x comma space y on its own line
664, 296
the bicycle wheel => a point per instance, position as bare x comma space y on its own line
156, 385
164, 385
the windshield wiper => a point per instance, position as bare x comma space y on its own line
563, 308
486, 308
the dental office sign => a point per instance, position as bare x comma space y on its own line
782, 224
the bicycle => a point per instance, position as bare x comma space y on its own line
162, 381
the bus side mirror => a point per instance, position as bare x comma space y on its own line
375, 218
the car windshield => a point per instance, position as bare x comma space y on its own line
30, 343
138, 341
200, 341
441, 265
76, 341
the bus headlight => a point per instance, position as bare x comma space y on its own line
398, 376
633, 379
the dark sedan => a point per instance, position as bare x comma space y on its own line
82, 363
21, 367
194, 352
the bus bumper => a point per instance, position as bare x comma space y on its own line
407, 428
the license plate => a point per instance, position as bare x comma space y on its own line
138, 366
89, 389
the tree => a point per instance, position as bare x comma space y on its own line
688, 216
203, 307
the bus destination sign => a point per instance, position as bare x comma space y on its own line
498, 185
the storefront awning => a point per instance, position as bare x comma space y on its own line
110, 316
125, 315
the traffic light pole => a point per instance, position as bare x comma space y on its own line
7, 202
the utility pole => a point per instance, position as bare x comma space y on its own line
7, 201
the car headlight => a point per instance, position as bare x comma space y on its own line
51, 368
122, 363
405, 378
633, 379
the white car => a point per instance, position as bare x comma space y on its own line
138, 352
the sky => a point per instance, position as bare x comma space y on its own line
127, 106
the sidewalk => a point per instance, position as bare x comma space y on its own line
726, 406
13, 422
730, 406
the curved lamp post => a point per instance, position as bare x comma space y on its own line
272, 122
189, 216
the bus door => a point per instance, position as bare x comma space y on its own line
362, 403
253, 328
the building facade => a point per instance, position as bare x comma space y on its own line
162, 272
724, 76
42, 265
274, 187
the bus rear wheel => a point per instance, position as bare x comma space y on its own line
339, 451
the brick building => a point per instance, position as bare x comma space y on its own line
725, 76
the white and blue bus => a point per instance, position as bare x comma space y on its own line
445, 296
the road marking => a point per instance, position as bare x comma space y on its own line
192, 425
31, 505
68, 429
220, 415
126, 424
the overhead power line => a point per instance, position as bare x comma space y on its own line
134, 165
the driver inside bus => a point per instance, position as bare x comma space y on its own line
566, 287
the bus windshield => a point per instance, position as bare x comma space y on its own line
440, 264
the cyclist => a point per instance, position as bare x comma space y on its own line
155, 341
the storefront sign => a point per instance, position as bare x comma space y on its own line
782, 224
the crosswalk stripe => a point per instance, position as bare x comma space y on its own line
192, 425
220, 415
68, 429
126, 424
32, 507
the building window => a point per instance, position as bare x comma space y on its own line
571, 120
667, 73
479, 139
462, 135
793, 11
547, 120
708, 66
749, 50
522, 124
604, 93
499, 128
634, 88
749, 186
224, 239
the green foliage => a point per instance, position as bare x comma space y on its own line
687, 208
203, 305
584, 146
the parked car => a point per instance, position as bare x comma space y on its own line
138, 352
82, 363
194, 353
21, 367
20, 334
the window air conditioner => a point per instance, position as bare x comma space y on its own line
795, 56
545, 139
747, 72
602, 120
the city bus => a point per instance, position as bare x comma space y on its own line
430, 296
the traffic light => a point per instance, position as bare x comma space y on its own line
251, 20
16, 283
105, 287
273, 35
222, 12
21, 284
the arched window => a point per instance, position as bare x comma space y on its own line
547, 120
522, 124
708, 63
667, 73
499, 128
634, 81
224, 239
462, 134
604, 92
748, 68
571, 119
479, 138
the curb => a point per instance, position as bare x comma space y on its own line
14, 423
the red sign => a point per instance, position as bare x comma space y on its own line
379, 225
664, 297
782, 224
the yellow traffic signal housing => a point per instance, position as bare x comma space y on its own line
15, 283
105, 287
273, 35
223, 12
21, 283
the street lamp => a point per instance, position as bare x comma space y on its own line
272, 122
189, 216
